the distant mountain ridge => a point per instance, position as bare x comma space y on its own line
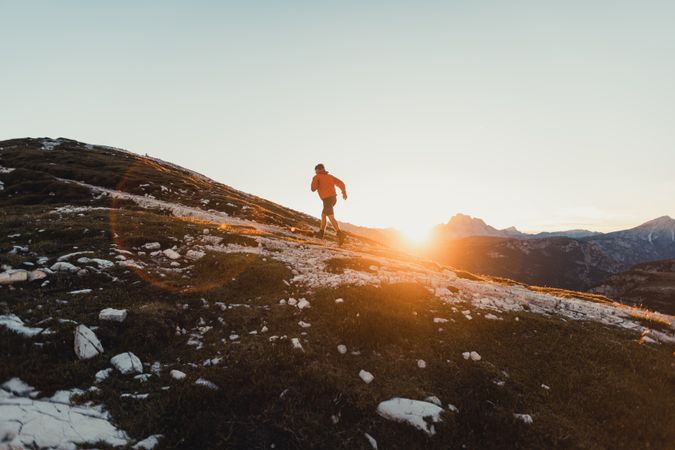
570, 260
461, 226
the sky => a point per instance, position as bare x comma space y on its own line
538, 114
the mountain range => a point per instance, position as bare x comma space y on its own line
575, 259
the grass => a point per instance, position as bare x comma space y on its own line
391, 327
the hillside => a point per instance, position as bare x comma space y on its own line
557, 262
145, 305
651, 285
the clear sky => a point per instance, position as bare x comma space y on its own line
540, 114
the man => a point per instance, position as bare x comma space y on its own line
325, 183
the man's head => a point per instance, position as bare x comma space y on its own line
319, 168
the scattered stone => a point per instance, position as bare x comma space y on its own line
127, 363
371, 440
339, 300
194, 254
526, 418
433, 399
342, 349
113, 315
149, 443
64, 267
13, 276
177, 375
440, 320
102, 375
421, 364
152, 246
81, 291
474, 356
15, 324
171, 253
304, 324
421, 415
296, 344
303, 303
87, 344
366, 376
206, 383
37, 274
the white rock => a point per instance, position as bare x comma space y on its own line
296, 344
421, 364
433, 399
17, 386
87, 344
37, 274
177, 375
127, 363
149, 443
171, 253
152, 246
101, 263
292, 301
13, 276
440, 320
474, 356
491, 317
194, 254
55, 423
206, 383
342, 349
64, 267
102, 375
304, 324
366, 376
15, 324
113, 315
302, 304
526, 418
81, 291
339, 300
452, 408
371, 441
143, 377
414, 412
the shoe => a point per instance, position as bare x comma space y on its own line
341, 237
319, 234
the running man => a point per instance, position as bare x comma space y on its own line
325, 183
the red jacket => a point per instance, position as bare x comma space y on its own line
325, 183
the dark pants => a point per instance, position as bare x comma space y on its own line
328, 204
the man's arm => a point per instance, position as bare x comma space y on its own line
339, 183
315, 183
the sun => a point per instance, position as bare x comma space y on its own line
416, 234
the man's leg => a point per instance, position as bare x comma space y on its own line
323, 225
336, 226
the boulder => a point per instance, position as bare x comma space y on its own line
113, 315
127, 363
87, 344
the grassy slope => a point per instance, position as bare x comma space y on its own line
606, 390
